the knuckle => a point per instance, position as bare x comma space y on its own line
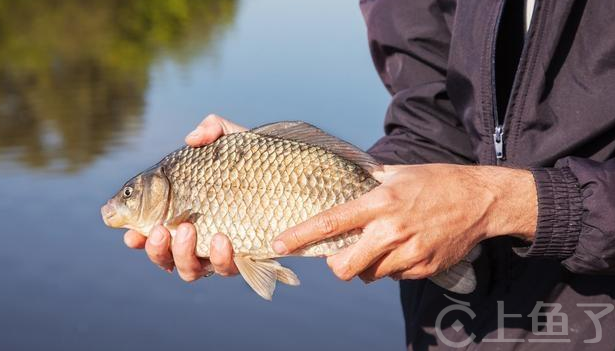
156, 249
414, 260
295, 238
418, 246
386, 197
400, 229
393, 238
158, 255
327, 223
183, 250
217, 261
415, 251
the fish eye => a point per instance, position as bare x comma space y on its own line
127, 192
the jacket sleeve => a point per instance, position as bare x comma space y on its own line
576, 215
409, 42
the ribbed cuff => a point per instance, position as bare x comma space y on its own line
560, 211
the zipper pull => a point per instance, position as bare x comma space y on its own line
498, 142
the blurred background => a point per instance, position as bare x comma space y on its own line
92, 92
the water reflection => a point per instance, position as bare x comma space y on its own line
73, 73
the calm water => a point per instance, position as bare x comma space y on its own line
92, 94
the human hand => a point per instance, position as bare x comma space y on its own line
422, 219
180, 252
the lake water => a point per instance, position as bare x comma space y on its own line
93, 92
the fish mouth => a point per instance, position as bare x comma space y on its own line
108, 213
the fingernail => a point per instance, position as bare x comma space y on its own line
219, 242
279, 247
194, 134
157, 236
183, 234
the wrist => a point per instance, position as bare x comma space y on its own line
513, 208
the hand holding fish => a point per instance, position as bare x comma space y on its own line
243, 187
181, 253
421, 220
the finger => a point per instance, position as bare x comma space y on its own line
375, 271
206, 132
222, 255
353, 260
210, 129
189, 267
337, 220
157, 248
407, 274
401, 259
134, 240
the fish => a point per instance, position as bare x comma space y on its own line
253, 185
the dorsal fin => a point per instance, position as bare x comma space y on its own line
309, 134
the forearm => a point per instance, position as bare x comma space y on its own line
513, 208
566, 211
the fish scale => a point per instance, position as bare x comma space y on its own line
252, 187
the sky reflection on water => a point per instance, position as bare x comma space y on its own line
77, 119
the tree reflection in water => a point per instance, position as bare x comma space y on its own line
73, 73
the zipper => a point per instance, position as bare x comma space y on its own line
498, 134
498, 141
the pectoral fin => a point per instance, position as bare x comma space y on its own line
262, 275
460, 278
185, 217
